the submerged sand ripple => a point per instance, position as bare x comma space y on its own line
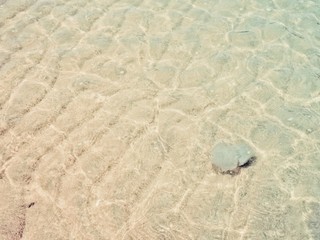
109, 111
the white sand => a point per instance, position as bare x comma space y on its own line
109, 111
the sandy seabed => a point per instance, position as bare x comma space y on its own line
109, 111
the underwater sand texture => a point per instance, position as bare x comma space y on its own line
109, 112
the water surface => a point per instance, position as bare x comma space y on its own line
110, 110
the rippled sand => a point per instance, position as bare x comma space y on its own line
109, 111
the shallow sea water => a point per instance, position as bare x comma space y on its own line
110, 111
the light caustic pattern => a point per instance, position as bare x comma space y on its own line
109, 111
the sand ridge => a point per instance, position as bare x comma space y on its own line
109, 111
